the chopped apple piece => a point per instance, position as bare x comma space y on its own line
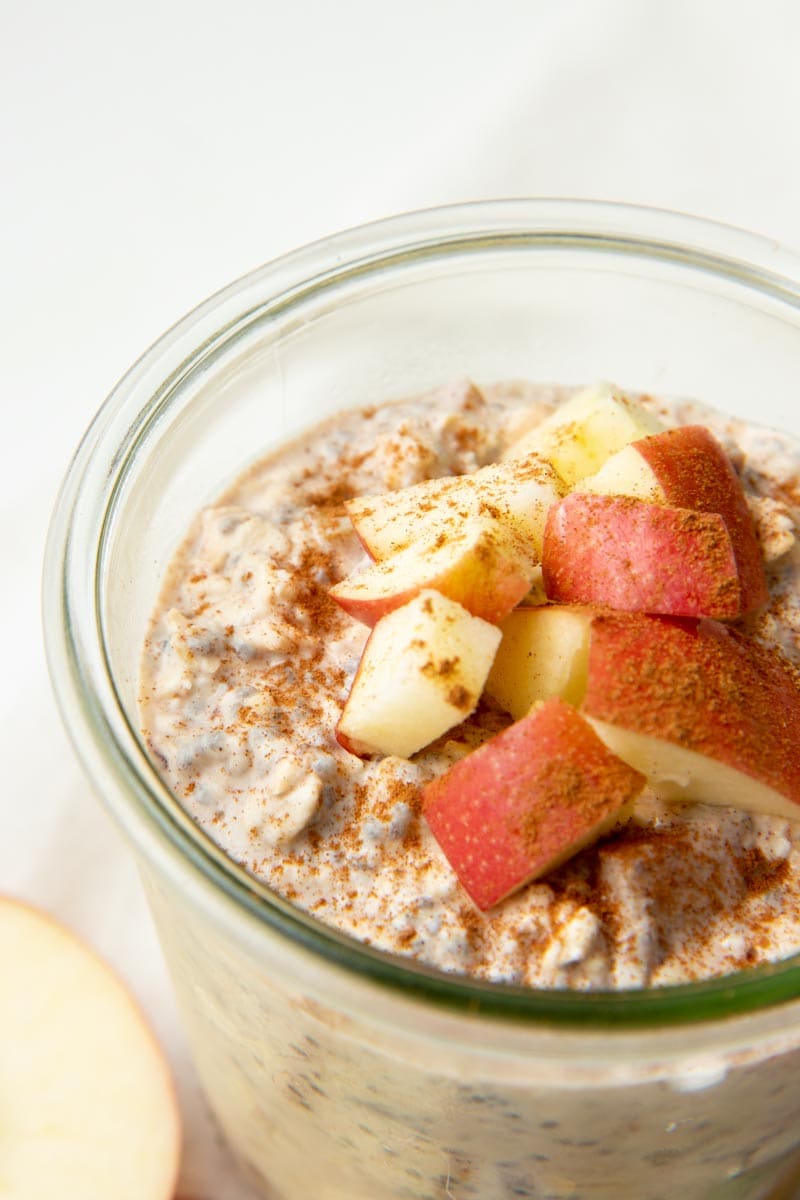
582, 433
482, 565
704, 712
625, 473
526, 801
422, 671
640, 557
688, 468
678, 774
544, 653
88, 1104
517, 493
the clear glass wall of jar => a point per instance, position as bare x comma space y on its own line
335, 1070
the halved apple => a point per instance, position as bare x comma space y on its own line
421, 672
517, 493
640, 557
581, 434
688, 468
87, 1100
544, 653
482, 565
527, 800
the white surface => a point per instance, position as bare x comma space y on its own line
150, 153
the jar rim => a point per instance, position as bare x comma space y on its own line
75, 638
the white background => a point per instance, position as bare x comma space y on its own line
152, 152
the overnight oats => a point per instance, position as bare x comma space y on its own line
454, 724
467, 678
309, 705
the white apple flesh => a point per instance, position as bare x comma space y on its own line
582, 433
517, 493
481, 564
422, 671
543, 653
625, 473
88, 1105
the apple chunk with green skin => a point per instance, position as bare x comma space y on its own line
543, 653
688, 468
482, 565
704, 712
421, 672
640, 557
517, 493
526, 801
587, 429
88, 1105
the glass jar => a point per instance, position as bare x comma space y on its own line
338, 1071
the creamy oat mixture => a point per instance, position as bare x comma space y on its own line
249, 661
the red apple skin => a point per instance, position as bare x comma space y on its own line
700, 685
640, 557
526, 800
695, 472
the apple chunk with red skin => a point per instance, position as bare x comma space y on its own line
688, 468
421, 672
640, 557
525, 801
704, 712
517, 493
482, 565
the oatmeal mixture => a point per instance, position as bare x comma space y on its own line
249, 661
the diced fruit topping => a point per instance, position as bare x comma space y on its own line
644, 686
517, 493
526, 801
640, 557
422, 671
707, 713
688, 468
543, 653
582, 433
482, 564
